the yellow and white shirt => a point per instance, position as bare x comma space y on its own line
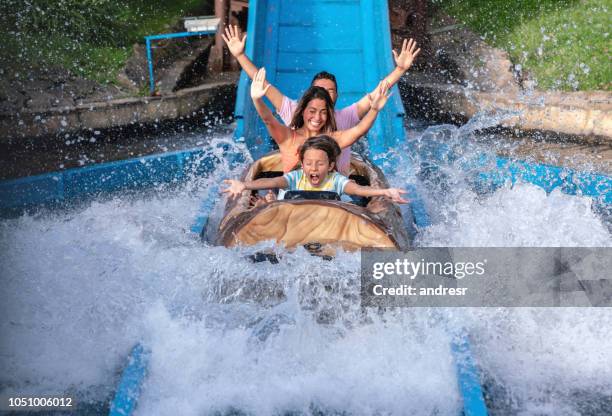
333, 182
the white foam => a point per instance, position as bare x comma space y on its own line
80, 287
519, 216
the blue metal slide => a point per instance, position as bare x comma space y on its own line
296, 39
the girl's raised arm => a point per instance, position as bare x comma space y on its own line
378, 99
277, 130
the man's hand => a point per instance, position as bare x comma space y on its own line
257, 86
234, 41
407, 55
235, 188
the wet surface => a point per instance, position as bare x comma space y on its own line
579, 154
21, 158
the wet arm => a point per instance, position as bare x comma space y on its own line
345, 138
403, 62
352, 188
278, 131
363, 105
236, 41
259, 87
267, 183
273, 94
236, 188
377, 99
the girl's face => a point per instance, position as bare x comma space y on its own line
316, 166
315, 115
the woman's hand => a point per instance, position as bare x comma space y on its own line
396, 195
235, 188
379, 97
257, 86
235, 43
406, 57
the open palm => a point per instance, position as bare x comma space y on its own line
234, 41
379, 97
235, 188
396, 195
257, 86
407, 54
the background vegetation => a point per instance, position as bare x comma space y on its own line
564, 44
91, 38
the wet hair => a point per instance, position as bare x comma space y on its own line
313, 93
321, 142
325, 75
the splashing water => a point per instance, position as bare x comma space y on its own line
81, 286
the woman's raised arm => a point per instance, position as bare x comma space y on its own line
277, 130
378, 99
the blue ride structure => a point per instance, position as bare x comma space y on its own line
294, 40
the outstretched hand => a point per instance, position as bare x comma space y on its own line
235, 188
234, 41
408, 53
257, 86
396, 195
378, 98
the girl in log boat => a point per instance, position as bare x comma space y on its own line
313, 116
318, 158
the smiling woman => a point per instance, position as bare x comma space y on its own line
315, 112
314, 115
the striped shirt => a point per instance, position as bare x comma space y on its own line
333, 182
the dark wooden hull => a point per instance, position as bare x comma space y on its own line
319, 225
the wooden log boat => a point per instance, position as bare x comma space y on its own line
319, 225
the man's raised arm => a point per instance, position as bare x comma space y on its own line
403, 62
235, 42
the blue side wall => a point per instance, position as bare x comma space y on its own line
75, 184
294, 40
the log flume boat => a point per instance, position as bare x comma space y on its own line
312, 220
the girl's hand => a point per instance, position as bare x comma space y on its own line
257, 86
234, 42
270, 196
396, 195
235, 188
406, 57
379, 97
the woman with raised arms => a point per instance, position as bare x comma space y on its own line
314, 115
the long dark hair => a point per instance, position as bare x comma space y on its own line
312, 93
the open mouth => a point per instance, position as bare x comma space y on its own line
314, 178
